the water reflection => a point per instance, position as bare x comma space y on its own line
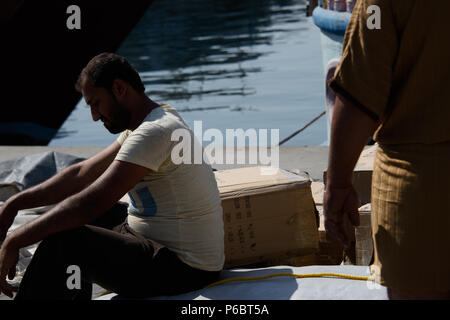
231, 64
199, 41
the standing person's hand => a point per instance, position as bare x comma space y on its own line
9, 256
339, 202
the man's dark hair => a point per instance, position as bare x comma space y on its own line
104, 68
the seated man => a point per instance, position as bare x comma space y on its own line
171, 239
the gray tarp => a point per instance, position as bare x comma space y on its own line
33, 169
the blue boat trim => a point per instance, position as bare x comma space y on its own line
34, 130
334, 22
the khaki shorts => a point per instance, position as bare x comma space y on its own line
411, 216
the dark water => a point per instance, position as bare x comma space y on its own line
232, 64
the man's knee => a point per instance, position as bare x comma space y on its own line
63, 240
112, 218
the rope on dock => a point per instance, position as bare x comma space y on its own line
308, 275
303, 128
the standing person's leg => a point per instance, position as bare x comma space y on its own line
410, 220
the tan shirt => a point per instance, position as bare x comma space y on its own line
176, 205
400, 73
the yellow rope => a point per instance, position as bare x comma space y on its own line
308, 275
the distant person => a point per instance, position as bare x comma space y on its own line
171, 238
393, 83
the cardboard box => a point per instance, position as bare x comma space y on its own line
362, 175
330, 252
318, 189
266, 216
363, 236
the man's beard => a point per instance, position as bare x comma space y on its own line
118, 120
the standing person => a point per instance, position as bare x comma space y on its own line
393, 82
171, 239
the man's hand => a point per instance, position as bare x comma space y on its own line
9, 256
339, 202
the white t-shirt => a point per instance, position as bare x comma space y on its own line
176, 205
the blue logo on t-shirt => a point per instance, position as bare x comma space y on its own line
148, 203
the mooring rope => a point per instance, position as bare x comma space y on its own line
303, 128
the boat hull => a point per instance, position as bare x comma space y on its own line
42, 58
332, 25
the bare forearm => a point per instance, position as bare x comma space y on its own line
83, 207
51, 191
75, 211
350, 131
64, 216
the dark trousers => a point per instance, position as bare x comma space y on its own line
109, 253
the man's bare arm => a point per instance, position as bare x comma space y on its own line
75, 211
66, 183
350, 131
83, 207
